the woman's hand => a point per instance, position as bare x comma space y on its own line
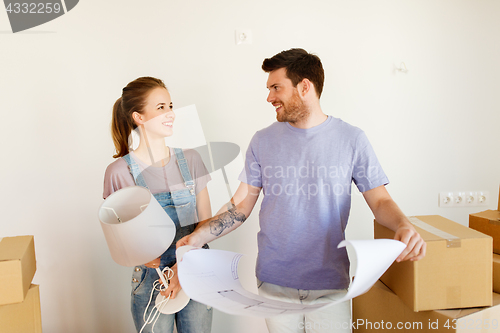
174, 286
154, 263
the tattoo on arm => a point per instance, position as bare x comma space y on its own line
226, 220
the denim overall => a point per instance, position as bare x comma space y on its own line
181, 207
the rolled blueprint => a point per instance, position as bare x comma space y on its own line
211, 277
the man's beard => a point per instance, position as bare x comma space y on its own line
293, 111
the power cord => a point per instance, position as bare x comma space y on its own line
155, 312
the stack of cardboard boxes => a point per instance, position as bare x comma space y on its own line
488, 222
453, 289
19, 299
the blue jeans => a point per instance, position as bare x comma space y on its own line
194, 318
180, 205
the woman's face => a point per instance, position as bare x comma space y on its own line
158, 116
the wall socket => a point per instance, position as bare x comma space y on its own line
464, 199
243, 36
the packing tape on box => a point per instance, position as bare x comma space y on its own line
451, 240
494, 222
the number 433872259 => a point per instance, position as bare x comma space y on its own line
471, 324
33, 8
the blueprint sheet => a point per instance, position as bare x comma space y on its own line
211, 277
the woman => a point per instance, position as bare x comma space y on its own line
176, 178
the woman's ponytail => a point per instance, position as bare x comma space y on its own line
120, 130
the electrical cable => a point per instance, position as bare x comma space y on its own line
157, 308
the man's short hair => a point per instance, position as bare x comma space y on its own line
299, 65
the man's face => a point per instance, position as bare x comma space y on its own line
285, 97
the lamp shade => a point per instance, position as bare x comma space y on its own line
136, 227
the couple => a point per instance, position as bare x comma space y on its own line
305, 207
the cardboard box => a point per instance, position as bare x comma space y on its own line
496, 273
455, 273
380, 310
487, 222
22, 317
17, 268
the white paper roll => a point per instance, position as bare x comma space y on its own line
136, 227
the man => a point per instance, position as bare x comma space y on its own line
304, 164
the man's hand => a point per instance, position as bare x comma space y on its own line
388, 214
190, 239
415, 245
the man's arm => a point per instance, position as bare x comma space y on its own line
388, 214
227, 218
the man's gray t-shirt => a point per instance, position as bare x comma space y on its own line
306, 176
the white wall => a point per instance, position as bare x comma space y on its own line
434, 128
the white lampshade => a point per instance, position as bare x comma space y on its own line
136, 227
